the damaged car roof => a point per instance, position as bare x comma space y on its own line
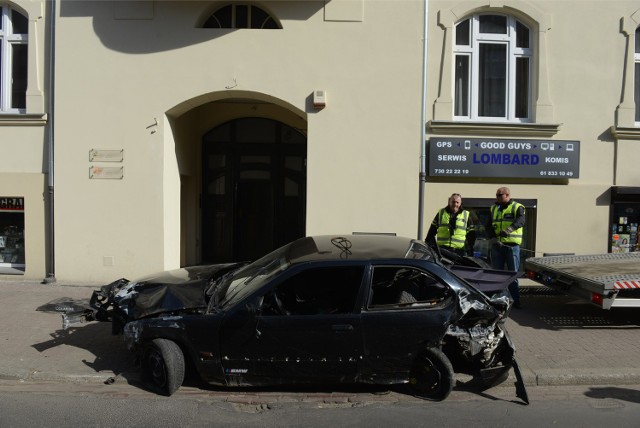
356, 247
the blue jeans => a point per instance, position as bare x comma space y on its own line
507, 258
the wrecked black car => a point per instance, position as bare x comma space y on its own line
321, 310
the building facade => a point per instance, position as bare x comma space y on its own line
24, 132
187, 132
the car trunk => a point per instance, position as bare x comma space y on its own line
489, 281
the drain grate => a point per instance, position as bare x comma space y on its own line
581, 321
606, 404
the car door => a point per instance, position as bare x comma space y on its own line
407, 309
305, 329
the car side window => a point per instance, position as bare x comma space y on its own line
315, 291
401, 286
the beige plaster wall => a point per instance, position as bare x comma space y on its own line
124, 75
628, 163
23, 149
144, 80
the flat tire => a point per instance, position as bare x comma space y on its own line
163, 365
432, 375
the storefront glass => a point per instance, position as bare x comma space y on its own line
624, 219
624, 228
12, 260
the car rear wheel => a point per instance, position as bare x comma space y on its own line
432, 375
163, 365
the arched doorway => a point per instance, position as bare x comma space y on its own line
253, 188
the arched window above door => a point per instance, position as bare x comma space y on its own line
241, 15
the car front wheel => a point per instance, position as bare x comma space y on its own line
432, 375
163, 365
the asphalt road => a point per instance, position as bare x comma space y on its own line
72, 404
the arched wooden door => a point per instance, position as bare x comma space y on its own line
254, 188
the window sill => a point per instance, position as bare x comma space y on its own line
494, 129
622, 133
21, 119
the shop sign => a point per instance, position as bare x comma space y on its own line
497, 158
11, 204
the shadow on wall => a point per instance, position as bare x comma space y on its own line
136, 30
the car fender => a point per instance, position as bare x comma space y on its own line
186, 331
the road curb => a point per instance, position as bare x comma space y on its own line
608, 376
544, 377
44, 376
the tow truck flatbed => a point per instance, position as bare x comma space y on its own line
606, 280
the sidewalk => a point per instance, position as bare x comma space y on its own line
583, 346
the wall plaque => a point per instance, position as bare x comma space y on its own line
106, 172
106, 155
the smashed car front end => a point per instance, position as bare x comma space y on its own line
477, 342
179, 291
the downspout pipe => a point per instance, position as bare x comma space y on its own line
423, 128
51, 264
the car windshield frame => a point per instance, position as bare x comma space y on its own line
246, 280
420, 251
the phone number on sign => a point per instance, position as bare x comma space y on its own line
557, 173
450, 171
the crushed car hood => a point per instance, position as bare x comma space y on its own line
170, 291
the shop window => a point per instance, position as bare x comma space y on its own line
238, 15
12, 259
492, 69
13, 60
625, 218
624, 228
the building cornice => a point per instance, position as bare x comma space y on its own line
537, 130
10, 119
625, 133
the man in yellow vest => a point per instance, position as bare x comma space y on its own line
505, 231
452, 227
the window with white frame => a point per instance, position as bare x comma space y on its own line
636, 85
493, 63
13, 60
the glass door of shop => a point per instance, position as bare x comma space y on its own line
624, 220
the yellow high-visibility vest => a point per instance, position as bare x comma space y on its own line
444, 236
503, 219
